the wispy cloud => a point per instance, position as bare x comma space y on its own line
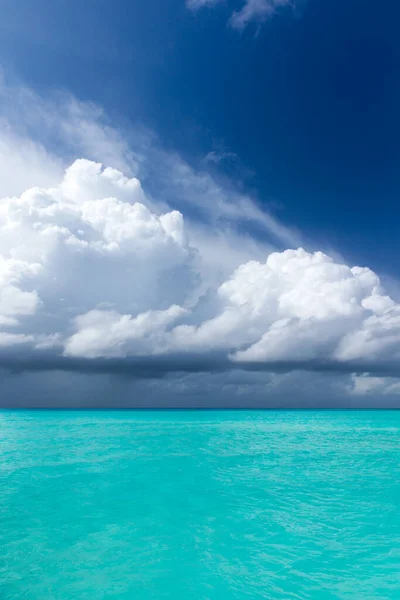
194, 4
256, 11
217, 157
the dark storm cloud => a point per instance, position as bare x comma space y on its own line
154, 367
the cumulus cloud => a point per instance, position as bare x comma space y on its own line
89, 270
90, 241
108, 333
300, 308
15, 302
148, 267
252, 10
364, 385
32, 126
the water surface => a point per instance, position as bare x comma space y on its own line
199, 505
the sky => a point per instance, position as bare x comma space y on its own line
199, 203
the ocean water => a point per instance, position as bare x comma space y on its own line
199, 505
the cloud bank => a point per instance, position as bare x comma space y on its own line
89, 269
132, 264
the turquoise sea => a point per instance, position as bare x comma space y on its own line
199, 505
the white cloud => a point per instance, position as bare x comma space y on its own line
217, 157
11, 339
216, 202
24, 163
252, 10
149, 257
87, 266
364, 385
14, 302
257, 10
195, 4
108, 333
74, 129
87, 242
41, 136
299, 307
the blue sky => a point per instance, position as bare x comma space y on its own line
266, 133
307, 101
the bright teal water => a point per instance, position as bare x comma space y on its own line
199, 505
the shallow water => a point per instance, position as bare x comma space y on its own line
199, 505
